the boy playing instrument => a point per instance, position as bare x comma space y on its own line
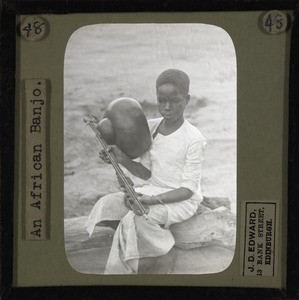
172, 168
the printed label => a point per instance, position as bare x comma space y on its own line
36, 184
259, 239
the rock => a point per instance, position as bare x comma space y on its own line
89, 255
202, 260
214, 202
211, 228
158, 265
213, 225
205, 243
85, 254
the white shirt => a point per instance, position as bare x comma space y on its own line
175, 160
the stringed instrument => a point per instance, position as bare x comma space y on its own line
124, 124
125, 182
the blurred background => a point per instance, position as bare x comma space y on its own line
104, 62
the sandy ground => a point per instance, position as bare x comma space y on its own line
110, 61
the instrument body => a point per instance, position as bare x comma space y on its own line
126, 183
124, 125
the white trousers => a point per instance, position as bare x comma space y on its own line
137, 236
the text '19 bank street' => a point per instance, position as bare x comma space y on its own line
259, 241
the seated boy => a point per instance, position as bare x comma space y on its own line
172, 168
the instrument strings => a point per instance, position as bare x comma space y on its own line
117, 167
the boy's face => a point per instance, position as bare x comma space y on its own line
171, 102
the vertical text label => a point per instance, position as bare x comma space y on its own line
260, 238
36, 184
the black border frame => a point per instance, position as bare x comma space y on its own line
8, 11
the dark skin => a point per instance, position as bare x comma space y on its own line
171, 103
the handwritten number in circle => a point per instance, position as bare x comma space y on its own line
27, 29
277, 22
269, 23
37, 27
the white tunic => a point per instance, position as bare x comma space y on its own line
175, 161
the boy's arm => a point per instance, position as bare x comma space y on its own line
135, 168
176, 195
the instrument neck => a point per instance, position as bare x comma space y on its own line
114, 162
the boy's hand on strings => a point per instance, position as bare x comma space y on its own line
142, 198
104, 157
146, 199
121, 157
116, 152
128, 199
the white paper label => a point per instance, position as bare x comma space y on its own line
36, 176
259, 240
